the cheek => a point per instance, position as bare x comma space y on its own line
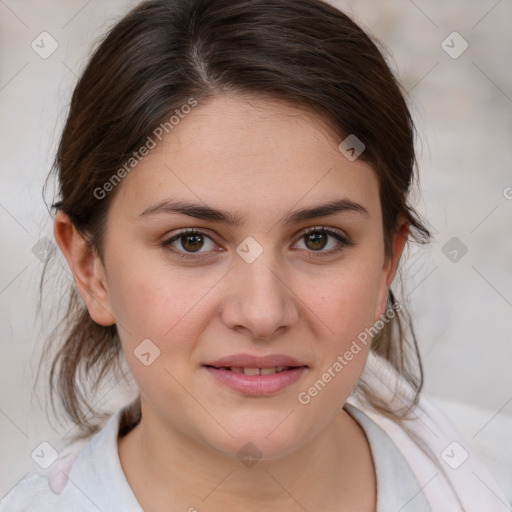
346, 311
344, 306
344, 302
159, 302
151, 303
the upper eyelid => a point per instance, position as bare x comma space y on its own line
206, 231
321, 228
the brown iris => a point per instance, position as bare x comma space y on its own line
318, 240
192, 243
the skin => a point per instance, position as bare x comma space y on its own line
260, 159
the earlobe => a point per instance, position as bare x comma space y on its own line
87, 269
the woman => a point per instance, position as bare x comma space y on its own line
233, 207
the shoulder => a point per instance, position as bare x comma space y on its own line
444, 463
33, 494
87, 476
47, 490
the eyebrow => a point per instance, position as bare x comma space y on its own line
208, 213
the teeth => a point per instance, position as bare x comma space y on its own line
258, 371
251, 371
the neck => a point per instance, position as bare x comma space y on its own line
332, 471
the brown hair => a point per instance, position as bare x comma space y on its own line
165, 52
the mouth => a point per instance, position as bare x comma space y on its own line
254, 371
256, 376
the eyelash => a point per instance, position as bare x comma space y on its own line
342, 242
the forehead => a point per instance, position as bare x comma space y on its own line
248, 154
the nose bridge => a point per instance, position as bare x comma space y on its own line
261, 301
263, 282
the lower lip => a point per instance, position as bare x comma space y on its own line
257, 385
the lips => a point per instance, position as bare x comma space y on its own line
262, 362
256, 375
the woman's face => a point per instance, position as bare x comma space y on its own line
252, 178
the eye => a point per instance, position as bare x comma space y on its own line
318, 238
189, 241
194, 244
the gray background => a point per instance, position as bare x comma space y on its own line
463, 110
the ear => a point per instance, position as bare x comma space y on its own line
391, 264
87, 269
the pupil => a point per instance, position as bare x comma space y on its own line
195, 242
318, 240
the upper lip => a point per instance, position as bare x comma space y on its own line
251, 361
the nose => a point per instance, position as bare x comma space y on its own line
260, 302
